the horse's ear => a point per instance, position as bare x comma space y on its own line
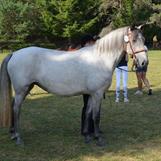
140, 26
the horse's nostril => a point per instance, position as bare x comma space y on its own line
143, 63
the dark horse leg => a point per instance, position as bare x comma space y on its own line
87, 120
92, 112
91, 123
12, 130
97, 132
16, 106
96, 118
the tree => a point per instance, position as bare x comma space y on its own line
156, 15
69, 18
124, 16
18, 20
11, 24
118, 13
149, 11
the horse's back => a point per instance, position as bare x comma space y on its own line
59, 71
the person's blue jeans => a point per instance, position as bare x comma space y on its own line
121, 74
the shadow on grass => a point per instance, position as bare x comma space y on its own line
51, 127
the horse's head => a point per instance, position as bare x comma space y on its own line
135, 45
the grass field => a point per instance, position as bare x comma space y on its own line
51, 126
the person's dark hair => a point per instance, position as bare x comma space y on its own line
86, 38
72, 45
96, 37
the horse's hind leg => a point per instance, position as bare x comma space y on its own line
12, 130
19, 97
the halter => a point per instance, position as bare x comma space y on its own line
127, 39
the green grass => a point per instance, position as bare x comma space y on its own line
51, 126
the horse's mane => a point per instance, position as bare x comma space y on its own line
112, 42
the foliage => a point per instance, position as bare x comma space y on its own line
124, 16
128, 12
120, 12
25, 20
125, 12
59, 21
107, 9
18, 20
11, 14
156, 16
70, 18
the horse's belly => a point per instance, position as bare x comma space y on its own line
65, 89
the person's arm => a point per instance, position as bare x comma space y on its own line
126, 57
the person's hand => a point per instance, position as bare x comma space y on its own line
132, 69
131, 56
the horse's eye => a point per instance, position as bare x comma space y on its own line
134, 40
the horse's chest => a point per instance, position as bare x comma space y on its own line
99, 80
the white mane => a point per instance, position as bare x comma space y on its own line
112, 42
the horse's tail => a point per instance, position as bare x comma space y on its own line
5, 95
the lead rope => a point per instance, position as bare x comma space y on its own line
126, 70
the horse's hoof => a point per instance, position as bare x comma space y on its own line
19, 142
100, 142
100, 131
13, 137
88, 139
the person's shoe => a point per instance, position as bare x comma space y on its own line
138, 92
117, 100
150, 92
126, 100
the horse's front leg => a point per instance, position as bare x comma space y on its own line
97, 99
87, 120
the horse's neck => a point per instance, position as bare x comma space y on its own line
118, 58
111, 60
111, 46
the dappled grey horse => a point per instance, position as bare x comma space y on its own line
86, 71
